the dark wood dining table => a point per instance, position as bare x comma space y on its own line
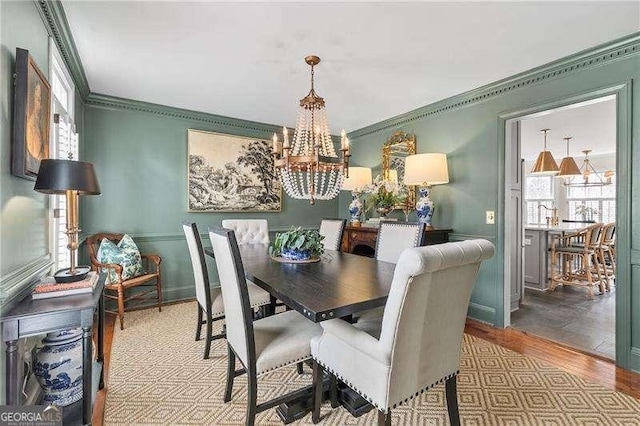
338, 286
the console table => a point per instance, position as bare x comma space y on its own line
362, 239
34, 317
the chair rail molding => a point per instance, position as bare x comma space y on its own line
55, 20
589, 58
19, 282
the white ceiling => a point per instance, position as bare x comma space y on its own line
245, 60
592, 126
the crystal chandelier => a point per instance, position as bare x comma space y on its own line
309, 168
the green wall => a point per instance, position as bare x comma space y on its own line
467, 128
23, 219
140, 154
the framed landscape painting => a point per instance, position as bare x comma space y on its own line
31, 117
231, 174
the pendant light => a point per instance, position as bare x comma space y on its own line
568, 166
587, 171
545, 164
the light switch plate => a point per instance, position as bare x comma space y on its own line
491, 217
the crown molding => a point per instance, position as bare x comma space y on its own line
113, 102
590, 58
55, 21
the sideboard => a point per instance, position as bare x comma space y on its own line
362, 239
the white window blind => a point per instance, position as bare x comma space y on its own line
538, 192
64, 145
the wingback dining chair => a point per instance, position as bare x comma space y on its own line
263, 345
332, 230
210, 299
120, 288
422, 331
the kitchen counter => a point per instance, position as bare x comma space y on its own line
563, 227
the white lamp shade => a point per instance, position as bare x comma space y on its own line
358, 177
429, 169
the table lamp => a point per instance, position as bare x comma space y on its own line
71, 178
358, 178
426, 170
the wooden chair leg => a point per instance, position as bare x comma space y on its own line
333, 390
317, 391
231, 368
452, 400
121, 307
199, 325
252, 398
384, 419
159, 291
207, 346
300, 368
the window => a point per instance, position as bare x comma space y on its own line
63, 144
600, 201
538, 192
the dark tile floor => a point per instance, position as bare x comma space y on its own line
568, 316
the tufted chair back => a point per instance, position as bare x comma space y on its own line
422, 326
394, 237
249, 231
423, 323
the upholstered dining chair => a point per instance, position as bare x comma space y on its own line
332, 230
249, 231
210, 299
119, 289
394, 237
421, 336
263, 345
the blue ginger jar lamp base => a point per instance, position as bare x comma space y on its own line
355, 209
424, 207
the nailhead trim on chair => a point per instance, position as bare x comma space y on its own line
404, 225
286, 364
385, 409
221, 314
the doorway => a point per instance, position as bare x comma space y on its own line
547, 298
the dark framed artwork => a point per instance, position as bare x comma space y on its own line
229, 173
31, 117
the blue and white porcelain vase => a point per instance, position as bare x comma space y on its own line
424, 207
58, 367
296, 254
355, 209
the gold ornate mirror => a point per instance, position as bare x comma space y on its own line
395, 150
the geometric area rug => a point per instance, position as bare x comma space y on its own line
157, 376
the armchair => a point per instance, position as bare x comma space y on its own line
117, 289
421, 336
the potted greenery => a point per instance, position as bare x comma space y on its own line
298, 244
